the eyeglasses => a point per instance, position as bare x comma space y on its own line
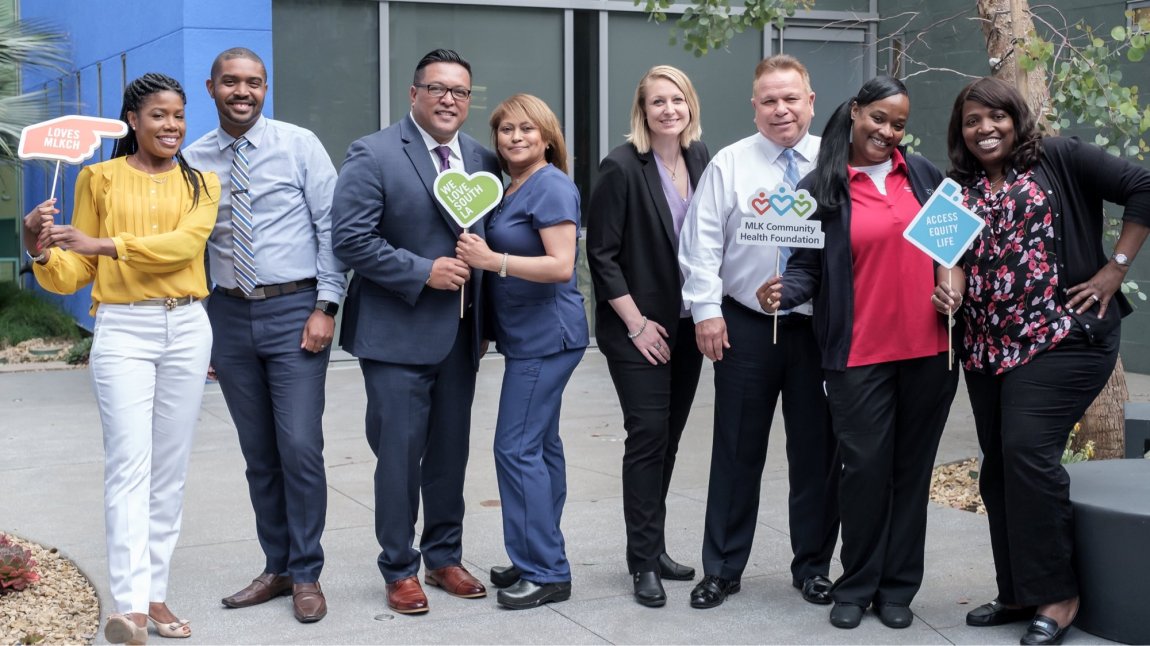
436, 90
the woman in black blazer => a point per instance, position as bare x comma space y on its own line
637, 210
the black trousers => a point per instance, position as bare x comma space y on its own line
753, 374
1024, 418
656, 401
888, 418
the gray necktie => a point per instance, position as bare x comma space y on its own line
791, 178
243, 249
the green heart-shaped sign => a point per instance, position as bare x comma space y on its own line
468, 197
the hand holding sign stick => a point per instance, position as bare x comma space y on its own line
466, 198
71, 139
943, 230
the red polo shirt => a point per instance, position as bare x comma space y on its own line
893, 281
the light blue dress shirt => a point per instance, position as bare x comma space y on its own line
292, 183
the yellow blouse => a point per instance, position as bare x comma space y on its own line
159, 236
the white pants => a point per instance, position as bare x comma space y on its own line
148, 367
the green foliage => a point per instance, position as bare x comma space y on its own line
1082, 454
711, 24
23, 317
24, 43
1081, 67
79, 353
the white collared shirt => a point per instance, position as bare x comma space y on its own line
712, 262
456, 159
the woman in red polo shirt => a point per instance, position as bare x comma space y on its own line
884, 346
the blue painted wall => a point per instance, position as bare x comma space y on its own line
115, 42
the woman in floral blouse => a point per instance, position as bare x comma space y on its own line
1041, 313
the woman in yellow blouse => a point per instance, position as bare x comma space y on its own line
138, 231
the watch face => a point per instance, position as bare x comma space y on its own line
1121, 259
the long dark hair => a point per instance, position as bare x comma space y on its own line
830, 176
134, 96
996, 95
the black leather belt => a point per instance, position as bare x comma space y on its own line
792, 317
264, 292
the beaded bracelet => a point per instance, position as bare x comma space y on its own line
639, 331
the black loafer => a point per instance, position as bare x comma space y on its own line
713, 591
649, 589
846, 615
816, 589
669, 569
997, 614
894, 615
503, 576
1044, 630
528, 594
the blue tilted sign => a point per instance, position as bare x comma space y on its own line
944, 228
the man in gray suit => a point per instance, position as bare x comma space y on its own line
402, 320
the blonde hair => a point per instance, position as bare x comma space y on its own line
525, 107
780, 62
640, 135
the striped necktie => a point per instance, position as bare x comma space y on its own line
243, 250
791, 174
791, 179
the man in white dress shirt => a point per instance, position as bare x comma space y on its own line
720, 279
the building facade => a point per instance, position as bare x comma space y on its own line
342, 68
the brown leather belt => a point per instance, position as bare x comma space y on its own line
169, 303
264, 292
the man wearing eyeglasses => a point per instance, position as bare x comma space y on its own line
402, 320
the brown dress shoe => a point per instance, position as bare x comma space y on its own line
406, 597
307, 602
262, 589
456, 581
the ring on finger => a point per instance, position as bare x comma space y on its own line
1095, 297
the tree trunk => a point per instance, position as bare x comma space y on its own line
1004, 23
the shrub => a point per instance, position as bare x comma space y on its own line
23, 316
16, 566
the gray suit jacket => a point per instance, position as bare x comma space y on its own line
388, 228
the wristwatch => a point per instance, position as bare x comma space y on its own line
327, 307
1121, 259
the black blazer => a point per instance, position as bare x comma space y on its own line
632, 247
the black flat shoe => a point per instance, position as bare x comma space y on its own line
846, 615
649, 589
713, 591
527, 594
503, 576
997, 614
816, 589
894, 615
670, 570
1044, 630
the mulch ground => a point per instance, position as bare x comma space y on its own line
956, 485
60, 608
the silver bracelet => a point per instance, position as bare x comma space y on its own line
503, 267
639, 331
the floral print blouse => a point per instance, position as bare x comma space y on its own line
1013, 309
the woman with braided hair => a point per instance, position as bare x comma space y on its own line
137, 234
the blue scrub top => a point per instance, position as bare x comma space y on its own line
533, 320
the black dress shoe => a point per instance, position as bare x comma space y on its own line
528, 594
816, 589
669, 569
712, 591
997, 614
503, 576
894, 615
1044, 630
649, 589
846, 615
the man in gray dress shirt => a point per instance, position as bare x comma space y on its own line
277, 291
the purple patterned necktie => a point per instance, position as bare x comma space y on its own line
444, 157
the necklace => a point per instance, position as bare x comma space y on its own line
673, 170
152, 176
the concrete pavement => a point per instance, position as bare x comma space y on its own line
51, 492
